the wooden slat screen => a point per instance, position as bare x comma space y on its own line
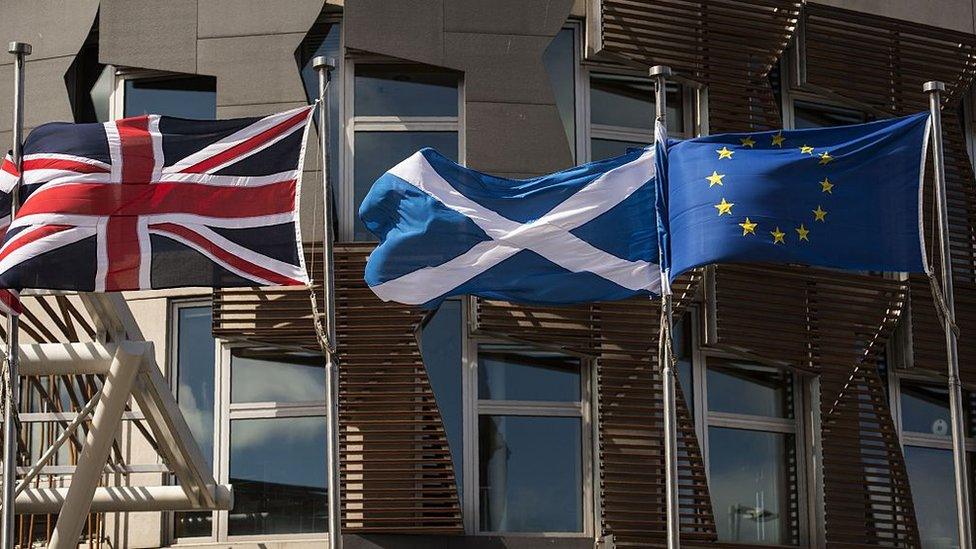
622, 338
894, 59
396, 469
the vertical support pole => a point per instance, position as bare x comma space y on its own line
660, 75
934, 89
20, 51
105, 423
325, 67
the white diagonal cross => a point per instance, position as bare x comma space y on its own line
548, 236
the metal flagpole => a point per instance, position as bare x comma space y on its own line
934, 89
20, 51
660, 74
325, 67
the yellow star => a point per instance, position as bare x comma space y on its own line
806, 149
747, 141
724, 207
715, 179
724, 152
825, 158
820, 215
826, 186
748, 227
778, 236
778, 140
803, 232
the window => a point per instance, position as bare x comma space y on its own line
392, 111
325, 39
529, 443
622, 112
748, 419
259, 415
142, 92
562, 65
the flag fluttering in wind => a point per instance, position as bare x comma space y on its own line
158, 202
847, 197
585, 234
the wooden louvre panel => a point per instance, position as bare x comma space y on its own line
395, 463
622, 339
894, 59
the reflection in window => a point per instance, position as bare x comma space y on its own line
287, 379
405, 90
622, 112
440, 345
324, 39
925, 408
194, 371
930, 473
182, 96
601, 149
508, 373
279, 477
817, 115
683, 351
560, 62
377, 152
750, 483
530, 474
751, 389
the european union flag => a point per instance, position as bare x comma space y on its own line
847, 197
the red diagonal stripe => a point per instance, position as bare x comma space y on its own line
10, 301
61, 164
9, 166
20, 241
223, 255
248, 145
102, 199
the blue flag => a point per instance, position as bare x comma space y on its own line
585, 234
846, 197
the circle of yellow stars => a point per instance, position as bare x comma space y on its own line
748, 226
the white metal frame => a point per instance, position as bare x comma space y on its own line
473, 408
352, 124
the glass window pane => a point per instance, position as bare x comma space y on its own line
440, 346
530, 471
743, 388
751, 484
560, 61
405, 90
377, 152
327, 46
507, 372
813, 115
195, 395
277, 467
930, 474
185, 96
925, 408
288, 379
601, 149
683, 352
628, 102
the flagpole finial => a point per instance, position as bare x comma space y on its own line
322, 62
659, 70
19, 48
933, 86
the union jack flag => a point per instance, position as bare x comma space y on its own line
9, 300
154, 202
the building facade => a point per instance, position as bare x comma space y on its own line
813, 407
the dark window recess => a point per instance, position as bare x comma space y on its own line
179, 96
81, 77
815, 115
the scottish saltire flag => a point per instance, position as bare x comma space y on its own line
847, 197
580, 235
158, 202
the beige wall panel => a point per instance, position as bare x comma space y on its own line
149, 35
221, 18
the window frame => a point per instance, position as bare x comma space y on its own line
345, 197
473, 408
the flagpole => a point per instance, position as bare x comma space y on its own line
934, 89
325, 67
20, 51
660, 74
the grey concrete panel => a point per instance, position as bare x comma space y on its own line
956, 15
515, 138
253, 69
221, 18
534, 17
46, 95
500, 67
149, 35
406, 29
53, 28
